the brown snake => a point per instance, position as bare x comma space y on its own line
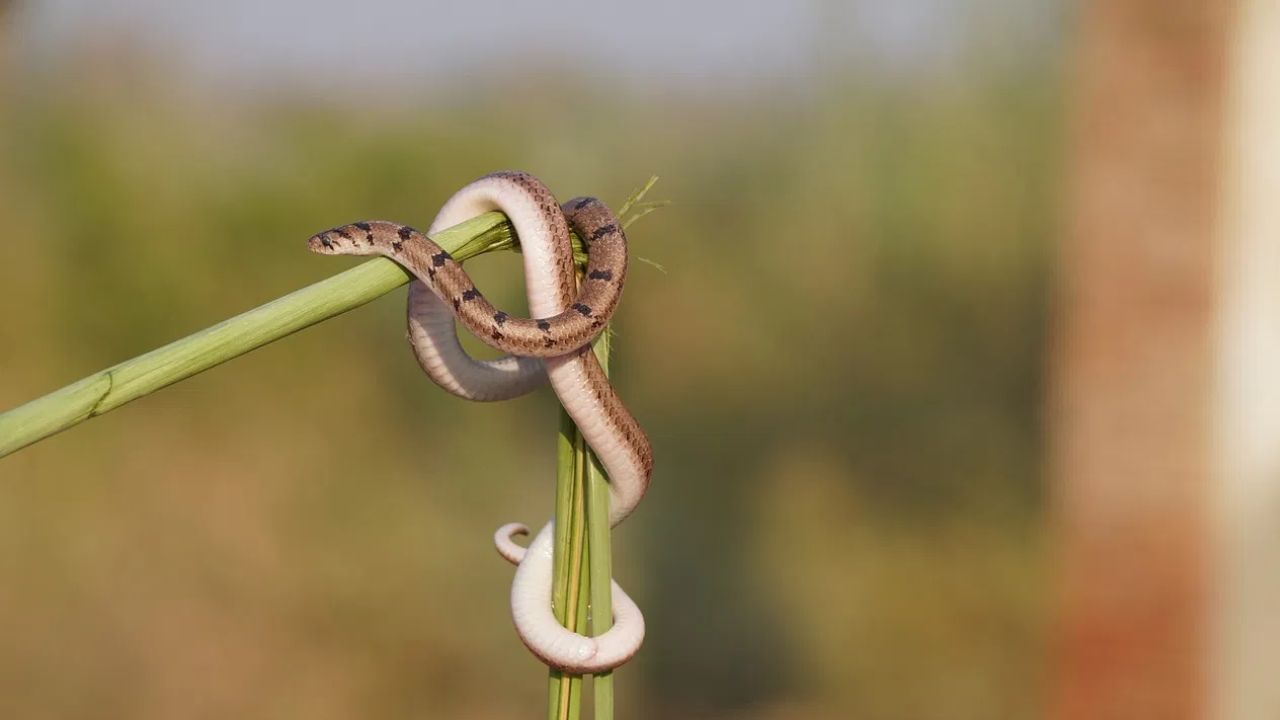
565, 320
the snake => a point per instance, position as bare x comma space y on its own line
553, 345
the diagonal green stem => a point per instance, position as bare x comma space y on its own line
109, 389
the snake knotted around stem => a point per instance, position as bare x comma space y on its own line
554, 344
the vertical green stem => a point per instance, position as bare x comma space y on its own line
581, 541
600, 565
583, 537
561, 695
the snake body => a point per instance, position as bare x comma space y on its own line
553, 344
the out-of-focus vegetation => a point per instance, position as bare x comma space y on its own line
840, 371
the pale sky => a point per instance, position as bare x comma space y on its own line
432, 42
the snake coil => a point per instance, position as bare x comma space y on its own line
553, 345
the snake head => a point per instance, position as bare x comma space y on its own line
359, 238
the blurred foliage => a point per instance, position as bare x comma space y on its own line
840, 370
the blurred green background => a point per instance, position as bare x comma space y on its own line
840, 369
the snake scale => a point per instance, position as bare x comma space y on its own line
554, 345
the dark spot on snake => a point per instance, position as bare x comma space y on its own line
496, 335
597, 323
602, 231
431, 273
500, 317
363, 226
440, 258
544, 326
404, 232
584, 310
583, 203
605, 275
548, 342
342, 232
471, 294
396, 245
457, 303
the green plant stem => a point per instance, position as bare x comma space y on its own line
559, 684
600, 565
109, 389
582, 541
565, 698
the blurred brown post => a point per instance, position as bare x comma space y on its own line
1166, 433
6, 8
